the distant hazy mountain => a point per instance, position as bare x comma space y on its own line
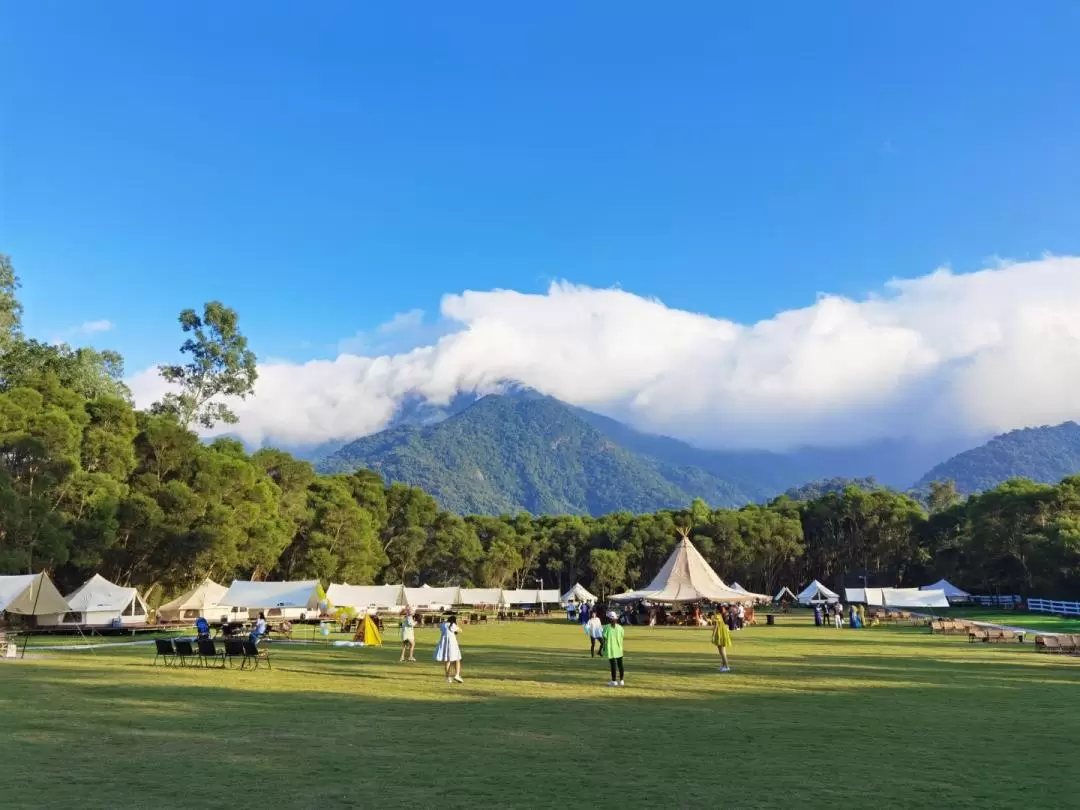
524, 451
1043, 454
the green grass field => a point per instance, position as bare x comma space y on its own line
885, 717
1041, 622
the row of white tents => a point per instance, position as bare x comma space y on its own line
101, 603
938, 595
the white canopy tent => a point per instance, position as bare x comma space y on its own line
31, 595
897, 597
785, 593
432, 598
815, 593
686, 577
579, 593
202, 600
285, 600
366, 597
100, 603
952, 593
481, 596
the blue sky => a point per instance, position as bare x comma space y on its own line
322, 167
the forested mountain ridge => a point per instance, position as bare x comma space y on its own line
527, 452
1045, 455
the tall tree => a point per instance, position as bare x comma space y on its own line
10, 307
220, 365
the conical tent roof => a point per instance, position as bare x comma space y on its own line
578, 593
784, 593
951, 591
816, 592
686, 577
206, 595
31, 595
97, 594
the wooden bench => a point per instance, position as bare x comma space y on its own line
1047, 644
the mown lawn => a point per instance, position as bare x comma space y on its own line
877, 718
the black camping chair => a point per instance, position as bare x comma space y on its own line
253, 654
184, 650
165, 651
208, 651
234, 648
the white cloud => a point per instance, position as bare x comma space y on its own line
91, 327
943, 354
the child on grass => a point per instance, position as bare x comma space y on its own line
721, 639
613, 648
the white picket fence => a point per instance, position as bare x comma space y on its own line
1055, 607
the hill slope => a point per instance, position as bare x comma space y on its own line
1044, 454
529, 452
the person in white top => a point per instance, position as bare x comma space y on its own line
838, 616
408, 636
448, 651
594, 629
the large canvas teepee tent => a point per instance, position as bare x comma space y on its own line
686, 577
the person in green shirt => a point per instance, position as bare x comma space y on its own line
613, 647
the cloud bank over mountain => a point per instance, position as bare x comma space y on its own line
940, 355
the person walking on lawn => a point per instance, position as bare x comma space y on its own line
613, 648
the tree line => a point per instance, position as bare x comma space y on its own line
89, 484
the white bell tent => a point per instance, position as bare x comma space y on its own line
579, 593
686, 577
815, 594
100, 603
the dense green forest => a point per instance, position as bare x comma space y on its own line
89, 484
1044, 454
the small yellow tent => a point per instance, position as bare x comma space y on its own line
368, 633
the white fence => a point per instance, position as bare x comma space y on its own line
1052, 606
997, 601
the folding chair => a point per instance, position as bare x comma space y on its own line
234, 648
208, 651
165, 651
255, 655
184, 650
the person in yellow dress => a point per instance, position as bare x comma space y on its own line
721, 639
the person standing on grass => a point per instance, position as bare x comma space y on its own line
408, 636
721, 639
838, 616
594, 629
613, 649
448, 651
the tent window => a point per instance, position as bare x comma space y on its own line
139, 609
73, 618
273, 612
191, 614
130, 609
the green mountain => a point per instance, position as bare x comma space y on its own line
1043, 454
529, 452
